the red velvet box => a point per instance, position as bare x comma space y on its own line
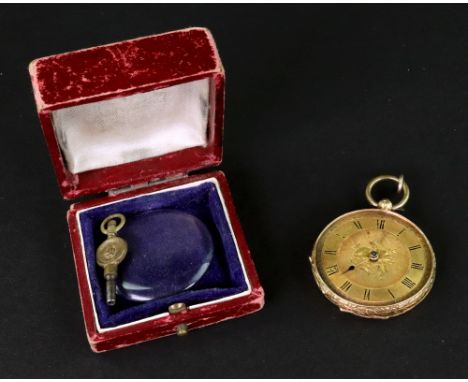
132, 119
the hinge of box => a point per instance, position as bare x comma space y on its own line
116, 191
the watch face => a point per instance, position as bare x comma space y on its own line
373, 258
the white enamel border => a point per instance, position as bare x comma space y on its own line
191, 307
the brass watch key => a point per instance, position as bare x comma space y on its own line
111, 253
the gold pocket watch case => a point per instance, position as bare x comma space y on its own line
374, 263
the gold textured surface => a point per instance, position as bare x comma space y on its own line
373, 263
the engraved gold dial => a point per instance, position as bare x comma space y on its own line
373, 263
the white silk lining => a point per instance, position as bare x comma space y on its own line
127, 129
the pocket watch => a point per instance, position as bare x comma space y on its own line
374, 263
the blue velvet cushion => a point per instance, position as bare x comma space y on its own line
223, 277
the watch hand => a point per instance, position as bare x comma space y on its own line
353, 266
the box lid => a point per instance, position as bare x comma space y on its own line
130, 112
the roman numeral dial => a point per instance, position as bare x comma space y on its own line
357, 224
407, 282
367, 294
417, 266
373, 258
346, 286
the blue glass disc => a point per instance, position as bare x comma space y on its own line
169, 251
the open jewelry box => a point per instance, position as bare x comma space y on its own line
131, 121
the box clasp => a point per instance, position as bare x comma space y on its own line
179, 307
176, 308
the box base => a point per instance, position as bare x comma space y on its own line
150, 324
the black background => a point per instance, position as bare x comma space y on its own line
320, 98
